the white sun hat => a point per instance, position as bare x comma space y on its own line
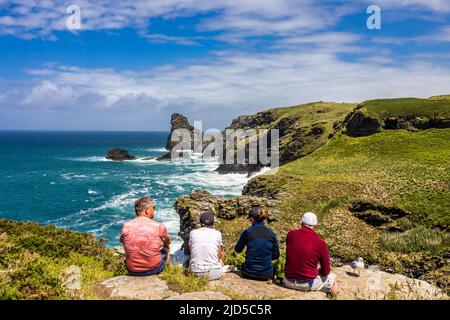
309, 219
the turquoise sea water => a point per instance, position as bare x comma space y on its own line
62, 178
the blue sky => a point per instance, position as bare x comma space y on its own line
134, 63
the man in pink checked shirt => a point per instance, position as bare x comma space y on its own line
146, 242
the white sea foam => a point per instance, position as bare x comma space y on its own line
144, 160
116, 202
105, 227
92, 192
180, 175
90, 159
70, 176
156, 149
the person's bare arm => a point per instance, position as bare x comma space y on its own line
220, 255
167, 240
166, 243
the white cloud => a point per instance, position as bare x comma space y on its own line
228, 85
43, 18
162, 38
435, 5
234, 20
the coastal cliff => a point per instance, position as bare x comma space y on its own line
376, 175
302, 130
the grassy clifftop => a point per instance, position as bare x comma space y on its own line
379, 183
302, 129
36, 260
384, 196
408, 107
406, 113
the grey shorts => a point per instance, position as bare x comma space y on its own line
324, 284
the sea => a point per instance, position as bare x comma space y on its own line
64, 179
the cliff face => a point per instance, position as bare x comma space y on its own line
394, 114
381, 196
302, 130
191, 207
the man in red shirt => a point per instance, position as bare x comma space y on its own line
146, 242
307, 259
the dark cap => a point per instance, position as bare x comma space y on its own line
254, 212
207, 218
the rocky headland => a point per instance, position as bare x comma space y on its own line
376, 173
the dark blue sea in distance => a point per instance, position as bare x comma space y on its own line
63, 178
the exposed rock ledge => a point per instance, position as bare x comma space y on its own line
371, 284
190, 208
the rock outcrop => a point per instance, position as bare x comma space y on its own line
371, 284
359, 124
384, 115
302, 130
135, 288
117, 154
190, 208
177, 122
202, 295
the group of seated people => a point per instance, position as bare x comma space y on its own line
147, 249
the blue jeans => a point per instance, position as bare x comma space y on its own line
260, 277
253, 276
155, 270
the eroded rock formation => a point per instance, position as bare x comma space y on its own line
190, 208
177, 122
117, 154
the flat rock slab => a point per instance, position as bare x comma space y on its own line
136, 288
373, 284
239, 288
205, 295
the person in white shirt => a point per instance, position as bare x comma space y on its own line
205, 246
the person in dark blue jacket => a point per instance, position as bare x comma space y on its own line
262, 247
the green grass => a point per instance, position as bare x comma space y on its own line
441, 97
407, 107
394, 168
408, 170
34, 260
417, 239
182, 281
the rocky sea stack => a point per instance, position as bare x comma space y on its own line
117, 154
178, 121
